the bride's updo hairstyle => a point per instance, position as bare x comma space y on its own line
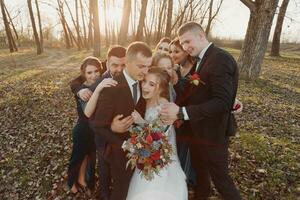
163, 80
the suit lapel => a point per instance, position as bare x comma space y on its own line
141, 104
190, 88
204, 59
125, 90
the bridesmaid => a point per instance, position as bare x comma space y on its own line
184, 67
81, 170
165, 62
163, 45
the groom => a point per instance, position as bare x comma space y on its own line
122, 99
206, 111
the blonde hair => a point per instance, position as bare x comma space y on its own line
163, 80
158, 56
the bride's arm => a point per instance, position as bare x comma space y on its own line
90, 107
137, 118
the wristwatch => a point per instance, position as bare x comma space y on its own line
180, 114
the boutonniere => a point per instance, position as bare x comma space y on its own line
195, 79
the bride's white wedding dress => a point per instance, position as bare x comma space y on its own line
170, 184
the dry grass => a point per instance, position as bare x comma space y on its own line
38, 113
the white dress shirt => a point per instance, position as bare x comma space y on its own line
130, 82
200, 56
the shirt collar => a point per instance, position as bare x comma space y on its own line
129, 80
204, 50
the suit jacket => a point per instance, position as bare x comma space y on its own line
111, 102
209, 105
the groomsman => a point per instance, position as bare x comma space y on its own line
115, 63
207, 111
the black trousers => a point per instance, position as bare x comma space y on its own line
116, 158
211, 164
103, 168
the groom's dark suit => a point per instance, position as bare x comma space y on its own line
208, 107
111, 102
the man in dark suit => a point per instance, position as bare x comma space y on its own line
205, 108
112, 66
122, 99
115, 63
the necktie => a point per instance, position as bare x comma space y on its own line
134, 87
198, 60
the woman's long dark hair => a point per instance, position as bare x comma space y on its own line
176, 43
90, 60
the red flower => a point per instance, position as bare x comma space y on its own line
133, 140
149, 139
195, 79
155, 156
156, 136
140, 166
195, 76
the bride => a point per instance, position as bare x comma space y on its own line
170, 184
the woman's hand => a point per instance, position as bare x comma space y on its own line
237, 106
174, 78
137, 118
105, 83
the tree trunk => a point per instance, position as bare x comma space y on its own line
209, 17
13, 26
140, 29
278, 28
90, 34
83, 24
125, 21
78, 42
107, 39
169, 19
96, 52
35, 33
77, 26
40, 25
256, 40
160, 20
63, 23
7, 28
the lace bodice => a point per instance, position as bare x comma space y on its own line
152, 113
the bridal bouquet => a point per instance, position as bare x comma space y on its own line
148, 149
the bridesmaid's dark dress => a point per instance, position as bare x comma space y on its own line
181, 135
83, 145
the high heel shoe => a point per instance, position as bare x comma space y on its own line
82, 188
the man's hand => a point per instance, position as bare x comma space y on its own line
237, 107
168, 113
85, 94
119, 125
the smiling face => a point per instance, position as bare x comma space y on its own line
163, 48
177, 54
166, 64
138, 66
150, 87
91, 74
193, 42
115, 65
